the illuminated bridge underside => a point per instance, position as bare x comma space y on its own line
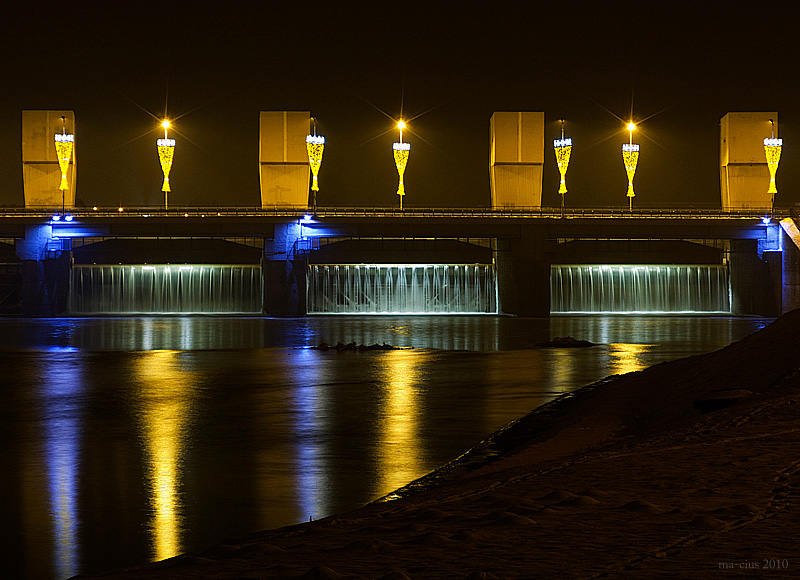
406, 289
166, 289
623, 288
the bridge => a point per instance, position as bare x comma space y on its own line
45, 246
514, 257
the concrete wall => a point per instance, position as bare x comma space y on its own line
283, 158
516, 159
744, 176
41, 175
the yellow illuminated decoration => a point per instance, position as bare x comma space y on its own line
165, 408
401, 151
166, 149
64, 145
630, 157
772, 149
563, 149
315, 145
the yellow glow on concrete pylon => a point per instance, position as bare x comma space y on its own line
166, 150
315, 144
64, 145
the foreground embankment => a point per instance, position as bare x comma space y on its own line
689, 469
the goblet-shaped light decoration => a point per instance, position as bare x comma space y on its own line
401, 151
315, 145
772, 149
64, 145
630, 157
166, 150
563, 149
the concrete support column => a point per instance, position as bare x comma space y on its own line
45, 273
523, 274
284, 271
751, 288
790, 274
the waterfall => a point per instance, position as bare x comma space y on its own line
165, 289
402, 288
622, 288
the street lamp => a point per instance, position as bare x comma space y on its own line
315, 145
64, 145
401, 151
630, 157
166, 150
563, 149
772, 149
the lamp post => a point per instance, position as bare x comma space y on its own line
630, 157
772, 149
315, 144
401, 151
64, 144
563, 149
166, 150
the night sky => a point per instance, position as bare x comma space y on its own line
215, 66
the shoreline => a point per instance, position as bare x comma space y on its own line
625, 477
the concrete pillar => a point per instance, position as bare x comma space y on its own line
41, 175
284, 273
283, 158
517, 158
751, 285
523, 274
46, 272
790, 274
744, 177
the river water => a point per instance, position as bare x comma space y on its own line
127, 440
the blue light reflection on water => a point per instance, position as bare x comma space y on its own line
297, 432
61, 390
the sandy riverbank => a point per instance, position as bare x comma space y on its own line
626, 478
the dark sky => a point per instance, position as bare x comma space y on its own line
216, 65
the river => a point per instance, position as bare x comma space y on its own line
127, 440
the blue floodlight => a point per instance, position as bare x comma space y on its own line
56, 218
68, 218
765, 220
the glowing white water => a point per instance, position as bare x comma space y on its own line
164, 289
623, 288
401, 288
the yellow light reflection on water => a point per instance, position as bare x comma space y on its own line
165, 398
628, 357
398, 445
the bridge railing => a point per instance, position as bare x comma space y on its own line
343, 212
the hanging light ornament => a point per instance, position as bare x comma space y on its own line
64, 145
166, 149
630, 157
315, 144
401, 151
563, 149
772, 149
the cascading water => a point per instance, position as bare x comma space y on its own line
624, 288
165, 289
404, 288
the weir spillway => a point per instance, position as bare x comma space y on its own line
639, 289
529, 263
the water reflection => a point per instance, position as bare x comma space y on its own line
311, 431
165, 399
398, 449
628, 358
62, 408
